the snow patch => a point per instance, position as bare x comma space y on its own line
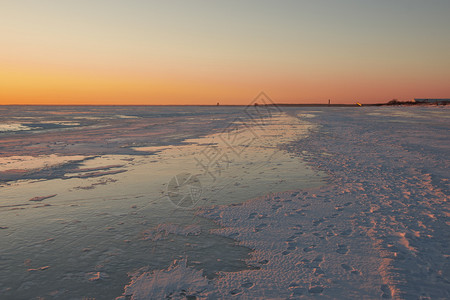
176, 282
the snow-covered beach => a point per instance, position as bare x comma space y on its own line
378, 229
326, 203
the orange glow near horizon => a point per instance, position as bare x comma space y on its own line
77, 86
55, 87
35, 85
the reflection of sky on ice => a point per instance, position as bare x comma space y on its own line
33, 162
99, 222
36, 125
13, 127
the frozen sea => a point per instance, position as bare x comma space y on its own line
147, 202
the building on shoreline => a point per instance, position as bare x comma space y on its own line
432, 101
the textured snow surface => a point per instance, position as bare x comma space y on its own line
379, 229
176, 282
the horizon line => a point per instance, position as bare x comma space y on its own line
273, 104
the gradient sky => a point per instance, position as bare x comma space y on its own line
203, 52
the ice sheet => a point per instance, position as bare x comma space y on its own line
110, 214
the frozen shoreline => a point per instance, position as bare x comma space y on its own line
379, 229
57, 142
110, 214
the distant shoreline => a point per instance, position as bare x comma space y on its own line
390, 103
408, 103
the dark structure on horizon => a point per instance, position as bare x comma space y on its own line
416, 101
432, 101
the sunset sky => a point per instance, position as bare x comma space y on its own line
204, 52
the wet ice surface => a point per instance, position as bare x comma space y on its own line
86, 206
